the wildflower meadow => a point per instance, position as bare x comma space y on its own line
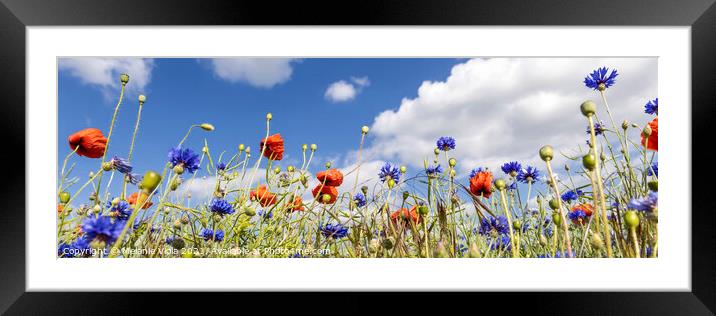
603, 203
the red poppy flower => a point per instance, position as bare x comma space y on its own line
406, 215
653, 143
586, 208
132, 199
481, 184
60, 207
89, 142
296, 205
274, 147
263, 196
325, 189
332, 177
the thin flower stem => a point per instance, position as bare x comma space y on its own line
109, 136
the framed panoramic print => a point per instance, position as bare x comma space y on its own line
454, 147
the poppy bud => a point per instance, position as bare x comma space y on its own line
96, 209
142, 98
205, 149
602, 157
177, 224
453, 173
517, 225
653, 185
588, 108
452, 162
406, 195
391, 183
631, 218
554, 204
91, 174
596, 241
314, 147
207, 127
364, 189
185, 219
269, 116
556, 218
124, 78
403, 169
546, 153
107, 166
436, 151
542, 240
64, 197
175, 184
646, 132
248, 150
328, 165
423, 210
625, 125
249, 211
373, 245
364, 129
500, 184
277, 170
151, 180
304, 147
589, 161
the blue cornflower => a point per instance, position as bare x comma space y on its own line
493, 226
169, 240
557, 254
511, 168
431, 171
121, 165
184, 157
598, 79
598, 129
121, 210
133, 178
445, 143
461, 248
528, 175
388, 172
221, 207
359, 199
501, 242
570, 196
102, 228
64, 250
476, 171
79, 248
209, 234
577, 215
654, 170
297, 255
652, 107
512, 186
265, 215
335, 231
221, 166
648, 203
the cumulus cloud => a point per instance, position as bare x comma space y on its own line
505, 109
343, 91
257, 72
104, 72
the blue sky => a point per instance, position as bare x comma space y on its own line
498, 109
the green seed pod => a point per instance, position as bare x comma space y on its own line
388, 243
452, 162
403, 169
314, 147
625, 125
589, 162
142, 98
277, 170
177, 224
290, 169
249, 211
556, 218
364, 189
453, 173
542, 240
241, 147
304, 147
328, 165
124, 78
107, 166
248, 152
207, 127
364, 129
588, 108
517, 225
96, 209
631, 218
391, 183
64, 197
205, 150
406, 195
546, 153
500, 184
653, 185
151, 180
178, 169
269, 116
436, 151
423, 210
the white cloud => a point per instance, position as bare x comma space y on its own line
342, 91
258, 72
505, 109
104, 71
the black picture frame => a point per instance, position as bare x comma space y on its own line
15, 15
